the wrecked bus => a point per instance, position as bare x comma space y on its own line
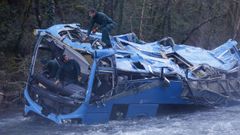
131, 79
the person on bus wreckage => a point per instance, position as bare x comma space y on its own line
69, 72
106, 25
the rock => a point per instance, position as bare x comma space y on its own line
1, 96
2, 75
12, 92
1, 85
12, 86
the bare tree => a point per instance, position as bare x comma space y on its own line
37, 13
108, 7
141, 20
166, 25
59, 10
51, 12
120, 17
24, 19
189, 34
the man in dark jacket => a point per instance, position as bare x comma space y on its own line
69, 72
52, 67
105, 22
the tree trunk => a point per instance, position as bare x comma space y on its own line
59, 11
24, 19
237, 29
108, 7
37, 13
120, 20
199, 26
51, 13
166, 26
154, 21
141, 20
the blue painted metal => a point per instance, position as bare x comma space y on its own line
144, 101
140, 103
140, 110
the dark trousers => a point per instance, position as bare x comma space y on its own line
105, 34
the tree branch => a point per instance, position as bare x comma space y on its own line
25, 17
189, 34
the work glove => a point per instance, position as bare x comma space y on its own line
94, 30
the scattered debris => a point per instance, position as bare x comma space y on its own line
130, 79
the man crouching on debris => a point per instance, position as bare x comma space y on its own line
105, 22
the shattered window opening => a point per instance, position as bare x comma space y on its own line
43, 85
